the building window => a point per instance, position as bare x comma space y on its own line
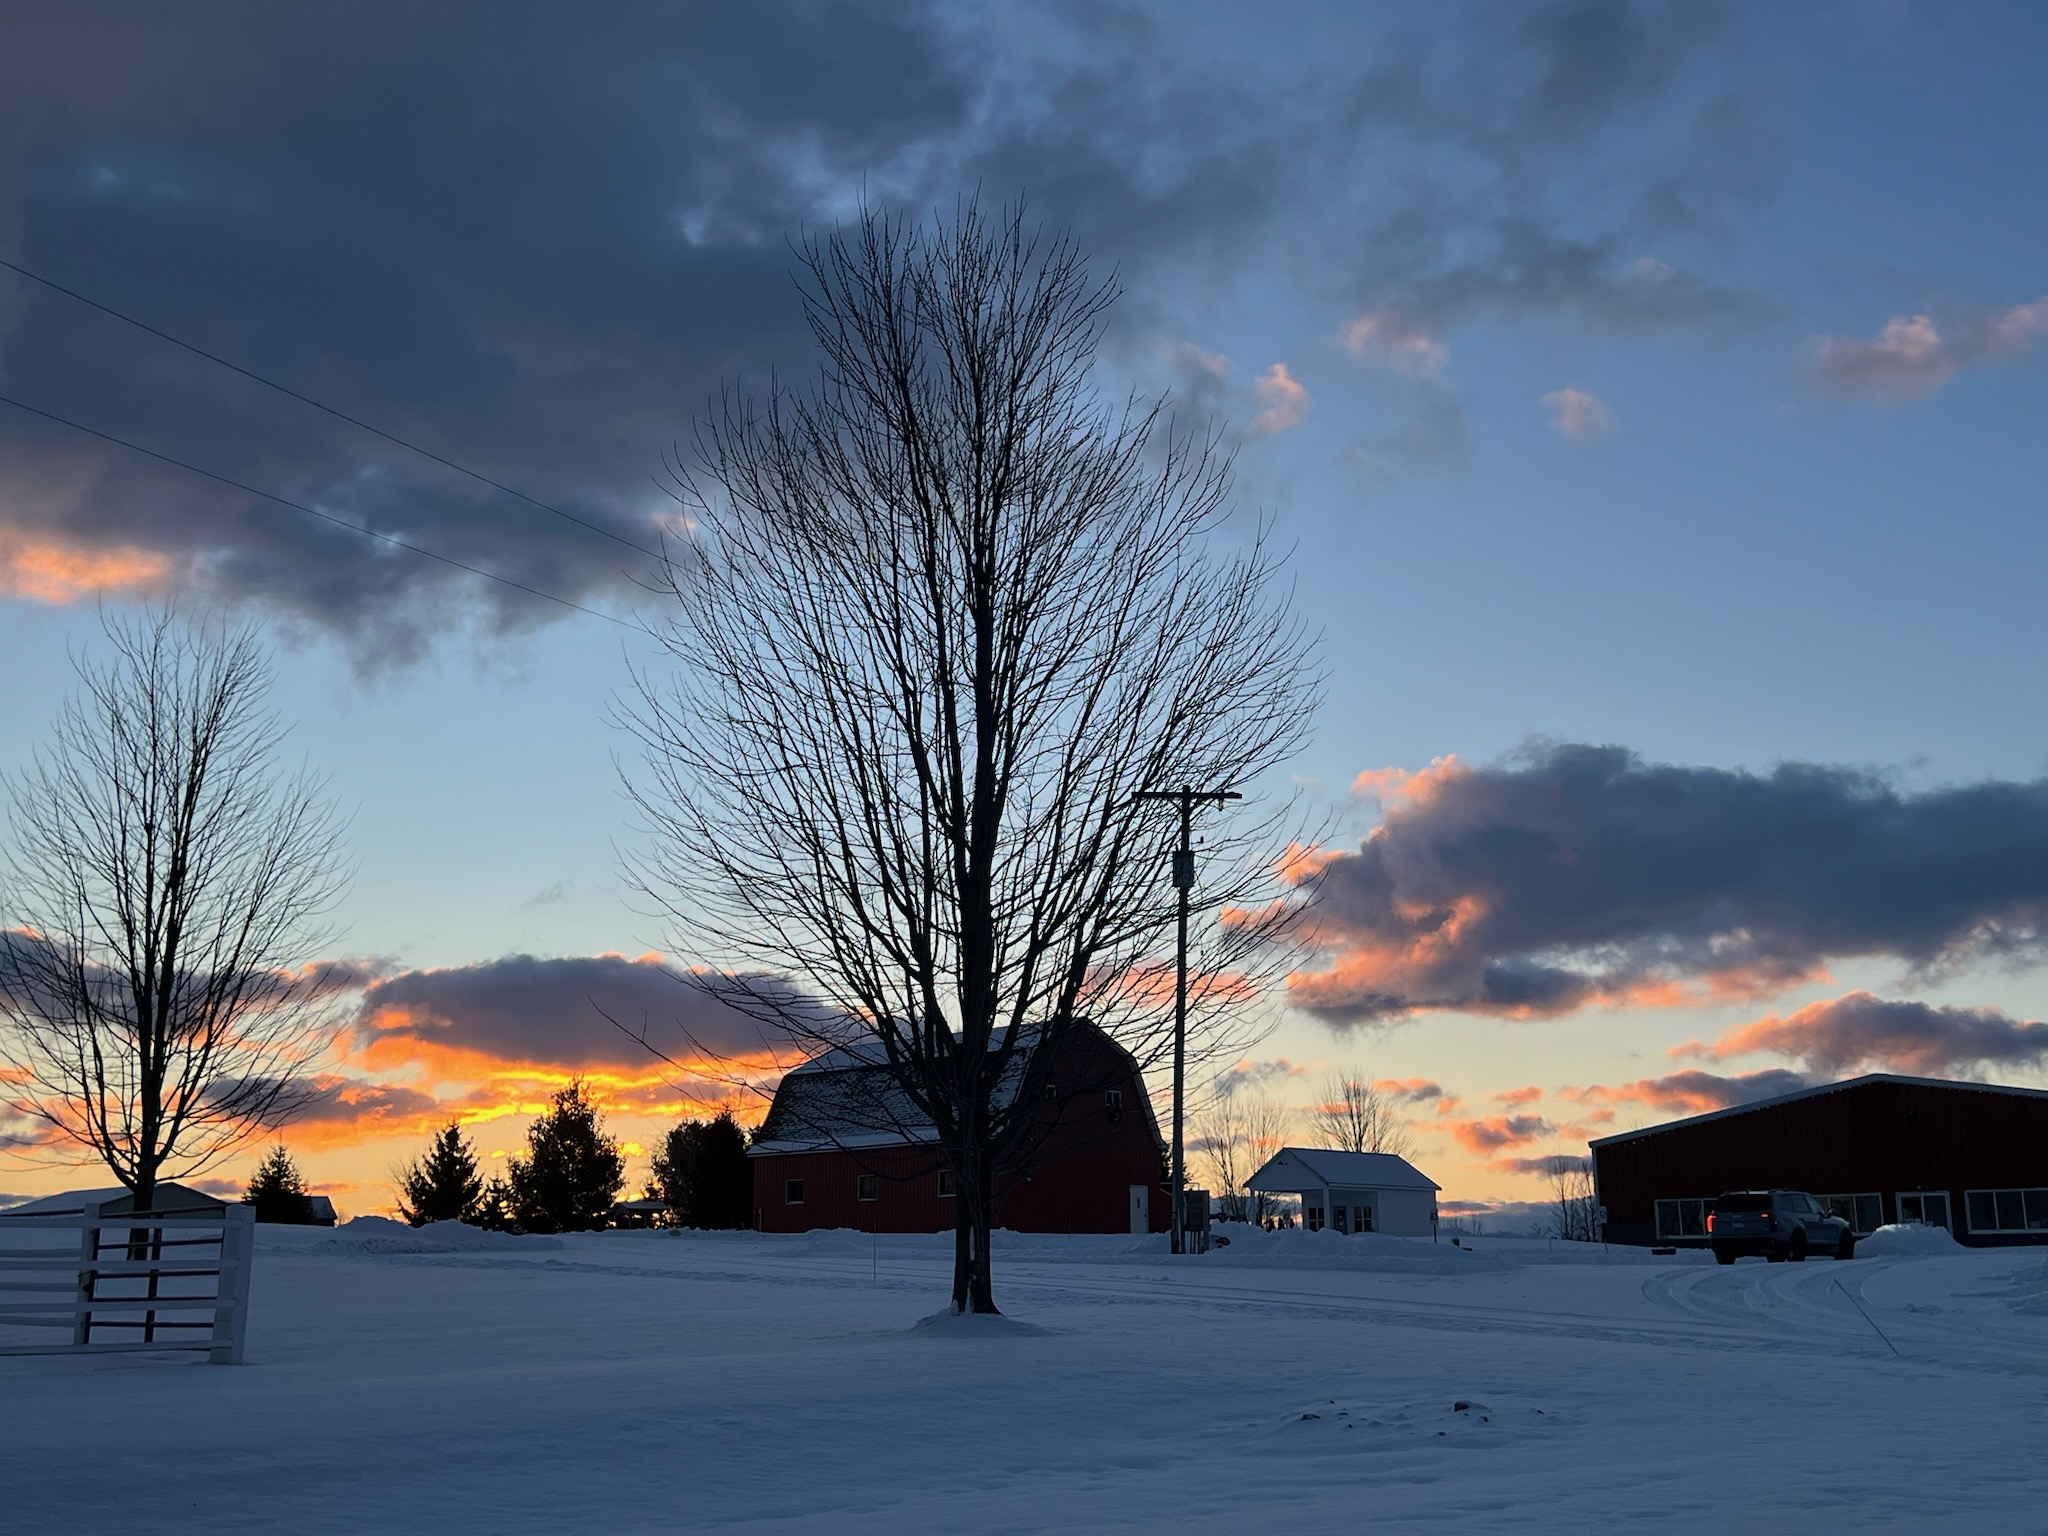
2006, 1210
947, 1188
868, 1187
1864, 1213
1683, 1218
1929, 1206
1312, 1217
792, 1191
1113, 1105
1361, 1218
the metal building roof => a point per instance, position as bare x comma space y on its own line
1808, 1093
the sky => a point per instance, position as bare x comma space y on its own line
1648, 395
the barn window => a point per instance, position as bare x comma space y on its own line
868, 1187
947, 1188
1864, 1213
792, 1191
1929, 1206
1683, 1218
2007, 1210
1113, 1105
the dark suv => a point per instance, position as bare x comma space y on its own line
1777, 1223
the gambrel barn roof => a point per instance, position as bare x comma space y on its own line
848, 1098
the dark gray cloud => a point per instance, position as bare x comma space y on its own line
1840, 1035
522, 1009
535, 239
1568, 876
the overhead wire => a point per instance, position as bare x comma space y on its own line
325, 517
305, 399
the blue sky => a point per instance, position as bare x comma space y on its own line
1774, 269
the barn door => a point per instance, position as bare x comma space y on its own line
1141, 1210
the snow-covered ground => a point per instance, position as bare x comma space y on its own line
648, 1381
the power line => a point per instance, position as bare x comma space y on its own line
354, 421
325, 517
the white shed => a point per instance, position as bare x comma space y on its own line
1352, 1191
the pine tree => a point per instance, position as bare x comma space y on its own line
445, 1185
572, 1172
702, 1173
278, 1191
494, 1209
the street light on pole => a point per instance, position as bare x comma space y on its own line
1183, 881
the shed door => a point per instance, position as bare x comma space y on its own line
1141, 1210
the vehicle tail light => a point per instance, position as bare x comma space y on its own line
1710, 1221
1771, 1222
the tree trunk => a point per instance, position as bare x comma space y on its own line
963, 1227
981, 1288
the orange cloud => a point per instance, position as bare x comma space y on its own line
1859, 1029
1393, 785
41, 570
1495, 1133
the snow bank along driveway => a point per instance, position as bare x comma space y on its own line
649, 1381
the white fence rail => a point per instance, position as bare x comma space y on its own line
127, 1280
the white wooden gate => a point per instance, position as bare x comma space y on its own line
127, 1280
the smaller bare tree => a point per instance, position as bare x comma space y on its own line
1234, 1138
1574, 1201
164, 895
1357, 1115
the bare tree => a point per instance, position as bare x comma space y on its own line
1223, 1145
1574, 1201
164, 893
1357, 1115
940, 619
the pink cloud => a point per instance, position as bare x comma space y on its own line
1579, 414
1283, 398
1912, 358
1399, 345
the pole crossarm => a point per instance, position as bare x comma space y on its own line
1187, 797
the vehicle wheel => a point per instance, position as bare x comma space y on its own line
1798, 1253
1846, 1249
1724, 1255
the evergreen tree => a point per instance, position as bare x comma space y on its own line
494, 1209
702, 1173
572, 1171
445, 1185
278, 1191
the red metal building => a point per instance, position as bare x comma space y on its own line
842, 1147
1972, 1157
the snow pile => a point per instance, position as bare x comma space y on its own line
2028, 1294
948, 1324
1908, 1239
380, 1234
1366, 1252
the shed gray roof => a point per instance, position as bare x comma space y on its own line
1292, 1170
169, 1197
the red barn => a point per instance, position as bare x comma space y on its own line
1972, 1157
843, 1147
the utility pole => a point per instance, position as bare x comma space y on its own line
1183, 881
